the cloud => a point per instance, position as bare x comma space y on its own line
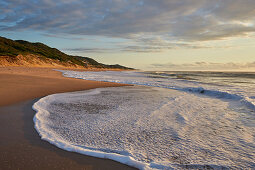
149, 48
159, 44
141, 46
89, 50
60, 36
206, 66
185, 20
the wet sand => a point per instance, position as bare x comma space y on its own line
20, 144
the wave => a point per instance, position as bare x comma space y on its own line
136, 78
178, 101
47, 135
43, 125
162, 130
247, 101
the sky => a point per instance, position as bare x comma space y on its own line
143, 34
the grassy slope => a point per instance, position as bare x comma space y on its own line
13, 48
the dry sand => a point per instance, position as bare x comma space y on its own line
20, 145
24, 83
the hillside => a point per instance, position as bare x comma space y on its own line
21, 52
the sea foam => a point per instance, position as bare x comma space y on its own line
147, 128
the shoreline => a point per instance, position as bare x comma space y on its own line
23, 83
21, 146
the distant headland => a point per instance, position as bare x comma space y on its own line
24, 53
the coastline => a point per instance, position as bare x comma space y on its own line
21, 146
24, 83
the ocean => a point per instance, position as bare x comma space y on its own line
167, 120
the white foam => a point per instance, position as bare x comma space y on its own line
42, 127
162, 130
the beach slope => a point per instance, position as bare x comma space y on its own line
20, 144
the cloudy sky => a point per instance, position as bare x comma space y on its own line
145, 34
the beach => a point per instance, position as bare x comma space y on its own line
20, 145
162, 120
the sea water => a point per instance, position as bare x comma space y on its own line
167, 120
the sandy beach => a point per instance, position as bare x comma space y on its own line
20, 144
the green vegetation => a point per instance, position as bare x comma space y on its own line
13, 48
